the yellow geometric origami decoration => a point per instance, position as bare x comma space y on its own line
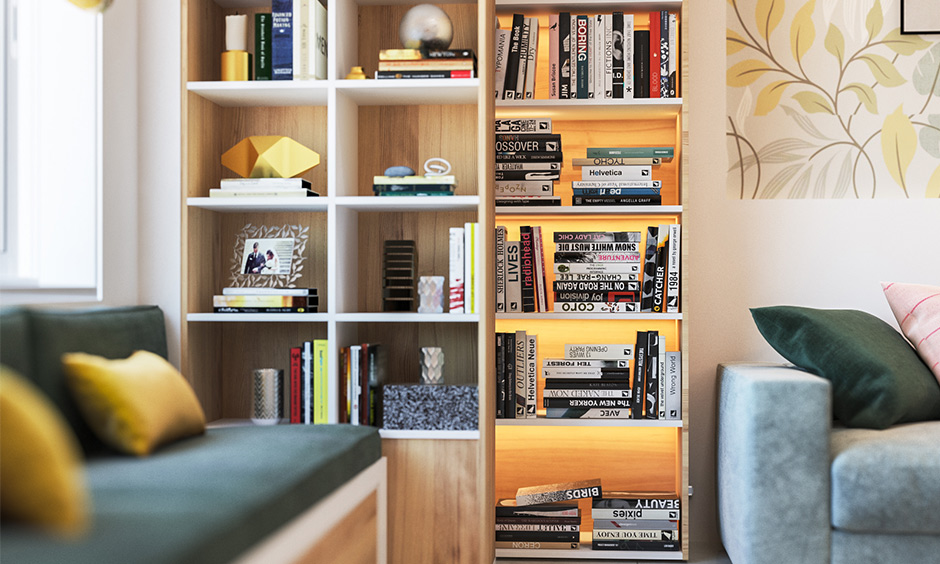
270, 156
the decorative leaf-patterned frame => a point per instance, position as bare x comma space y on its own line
299, 233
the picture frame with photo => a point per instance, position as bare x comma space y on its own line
268, 256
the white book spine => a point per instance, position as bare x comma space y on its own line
470, 255
628, 56
598, 53
307, 384
608, 56
300, 26
661, 379
354, 351
673, 385
531, 375
456, 292
627, 172
672, 270
501, 36
501, 269
513, 278
532, 58
319, 44
553, 66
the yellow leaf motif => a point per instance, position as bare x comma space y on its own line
802, 30
865, 95
835, 43
813, 103
769, 97
735, 43
882, 70
875, 19
768, 15
746, 72
904, 44
898, 144
933, 185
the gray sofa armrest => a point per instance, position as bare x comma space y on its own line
773, 464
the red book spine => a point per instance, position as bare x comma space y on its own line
295, 388
654, 55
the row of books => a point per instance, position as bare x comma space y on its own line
603, 56
548, 517
307, 388
516, 375
361, 374
462, 281
291, 41
426, 63
263, 188
266, 300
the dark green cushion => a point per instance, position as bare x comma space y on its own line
108, 332
877, 378
15, 351
205, 499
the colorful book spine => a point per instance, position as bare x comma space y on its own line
527, 264
282, 42
456, 271
470, 269
296, 361
500, 269
307, 382
654, 55
581, 42
263, 46
564, 55
321, 413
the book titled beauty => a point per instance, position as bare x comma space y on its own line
564, 491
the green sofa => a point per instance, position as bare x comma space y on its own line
204, 499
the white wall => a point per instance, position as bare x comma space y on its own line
816, 253
159, 192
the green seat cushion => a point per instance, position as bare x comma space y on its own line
877, 378
15, 351
205, 499
109, 332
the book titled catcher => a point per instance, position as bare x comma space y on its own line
564, 491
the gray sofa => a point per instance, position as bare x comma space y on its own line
210, 498
795, 488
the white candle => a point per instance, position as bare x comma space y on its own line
236, 33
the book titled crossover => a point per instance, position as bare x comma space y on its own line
547, 493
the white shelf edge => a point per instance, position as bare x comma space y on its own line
429, 434
552, 422
410, 92
262, 93
624, 5
588, 210
588, 554
576, 316
258, 317
243, 204
408, 317
408, 203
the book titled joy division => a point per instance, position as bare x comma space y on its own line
564, 491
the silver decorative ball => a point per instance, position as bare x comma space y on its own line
426, 26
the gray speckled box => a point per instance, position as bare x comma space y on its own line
435, 407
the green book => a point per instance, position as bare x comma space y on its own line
263, 46
645, 152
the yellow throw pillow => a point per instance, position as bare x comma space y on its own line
134, 404
41, 477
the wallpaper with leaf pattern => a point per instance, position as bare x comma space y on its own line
827, 99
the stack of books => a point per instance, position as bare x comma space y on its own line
657, 378
263, 188
361, 373
529, 160
636, 521
416, 63
592, 381
587, 258
266, 300
554, 525
619, 176
441, 185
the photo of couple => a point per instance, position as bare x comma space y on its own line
262, 257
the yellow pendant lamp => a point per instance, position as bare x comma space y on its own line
96, 5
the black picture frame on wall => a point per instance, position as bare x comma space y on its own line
920, 17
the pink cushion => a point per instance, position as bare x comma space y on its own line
917, 309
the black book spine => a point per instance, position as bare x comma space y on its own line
564, 55
509, 408
639, 375
659, 281
581, 51
626, 200
652, 376
527, 262
664, 54
529, 157
618, 54
649, 268
527, 175
512, 58
641, 63
500, 376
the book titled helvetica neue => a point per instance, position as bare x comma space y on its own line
564, 491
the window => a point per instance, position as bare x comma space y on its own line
51, 221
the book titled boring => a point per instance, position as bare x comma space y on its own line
564, 491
